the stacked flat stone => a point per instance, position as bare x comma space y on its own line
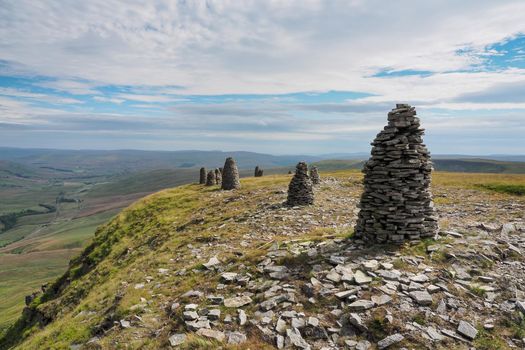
314, 175
218, 177
258, 172
300, 191
396, 204
230, 175
202, 178
210, 178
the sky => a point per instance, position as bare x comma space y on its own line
280, 77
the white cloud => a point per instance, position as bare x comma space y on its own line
217, 47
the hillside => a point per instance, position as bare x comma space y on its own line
44, 221
256, 272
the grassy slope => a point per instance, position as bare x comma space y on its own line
153, 233
27, 267
46, 243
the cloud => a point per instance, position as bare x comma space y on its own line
498, 93
219, 47
185, 73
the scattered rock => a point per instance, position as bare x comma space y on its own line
177, 339
467, 330
211, 334
237, 301
390, 340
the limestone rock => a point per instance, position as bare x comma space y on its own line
396, 204
211, 334
236, 338
177, 339
237, 301
390, 340
300, 190
468, 330
230, 175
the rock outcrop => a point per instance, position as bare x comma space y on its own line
230, 175
314, 175
300, 190
218, 177
202, 178
396, 204
210, 178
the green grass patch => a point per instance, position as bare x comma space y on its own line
515, 190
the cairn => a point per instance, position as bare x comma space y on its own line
218, 177
396, 204
202, 178
258, 172
314, 175
300, 190
210, 178
230, 175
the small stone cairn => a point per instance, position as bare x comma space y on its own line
218, 177
210, 178
230, 175
202, 178
314, 175
396, 204
300, 190
258, 172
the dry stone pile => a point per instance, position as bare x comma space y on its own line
300, 190
396, 204
218, 177
202, 179
314, 175
210, 178
230, 175
258, 172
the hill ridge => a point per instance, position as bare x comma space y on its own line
154, 264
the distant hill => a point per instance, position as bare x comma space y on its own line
68, 163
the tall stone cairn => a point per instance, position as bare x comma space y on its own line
210, 178
300, 191
202, 178
396, 204
314, 175
230, 175
218, 177
258, 172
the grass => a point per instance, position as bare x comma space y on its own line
478, 291
155, 232
489, 341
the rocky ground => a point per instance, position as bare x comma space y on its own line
294, 278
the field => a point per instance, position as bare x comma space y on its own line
38, 247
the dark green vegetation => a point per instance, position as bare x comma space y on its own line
517, 190
451, 165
